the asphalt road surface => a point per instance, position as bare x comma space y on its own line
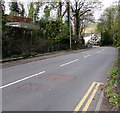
71, 82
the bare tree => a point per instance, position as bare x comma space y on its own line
14, 8
22, 10
80, 10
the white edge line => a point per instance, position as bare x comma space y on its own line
69, 62
15, 82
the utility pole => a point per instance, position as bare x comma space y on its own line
70, 38
69, 23
75, 27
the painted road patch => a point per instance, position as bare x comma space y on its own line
60, 78
30, 86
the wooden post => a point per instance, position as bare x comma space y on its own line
75, 31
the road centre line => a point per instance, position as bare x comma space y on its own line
85, 97
86, 56
82, 52
69, 62
20, 80
98, 52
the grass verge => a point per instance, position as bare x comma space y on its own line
112, 89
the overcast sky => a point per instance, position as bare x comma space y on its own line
105, 3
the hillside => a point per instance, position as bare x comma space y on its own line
91, 28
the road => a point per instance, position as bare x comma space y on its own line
71, 82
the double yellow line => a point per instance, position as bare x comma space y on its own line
85, 97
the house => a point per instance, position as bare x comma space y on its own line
87, 37
17, 21
94, 40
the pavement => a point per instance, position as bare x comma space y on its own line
69, 82
21, 60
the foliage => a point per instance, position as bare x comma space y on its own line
53, 35
2, 6
53, 25
63, 33
113, 98
21, 41
109, 90
47, 12
22, 10
31, 10
112, 86
36, 12
113, 72
106, 38
60, 34
14, 8
28, 54
82, 10
108, 26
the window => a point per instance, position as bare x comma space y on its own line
14, 25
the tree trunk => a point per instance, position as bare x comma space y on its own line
60, 10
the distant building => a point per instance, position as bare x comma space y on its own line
94, 40
17, 21
87, 37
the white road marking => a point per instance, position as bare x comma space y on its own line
20, 80
98, 52
82, 52
86, 56
69, 62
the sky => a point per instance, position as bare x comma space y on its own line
105, 4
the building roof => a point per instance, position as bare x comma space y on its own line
23, 24
20, 19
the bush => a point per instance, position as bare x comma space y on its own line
113, 71
16, 41
26, 54
112, 86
